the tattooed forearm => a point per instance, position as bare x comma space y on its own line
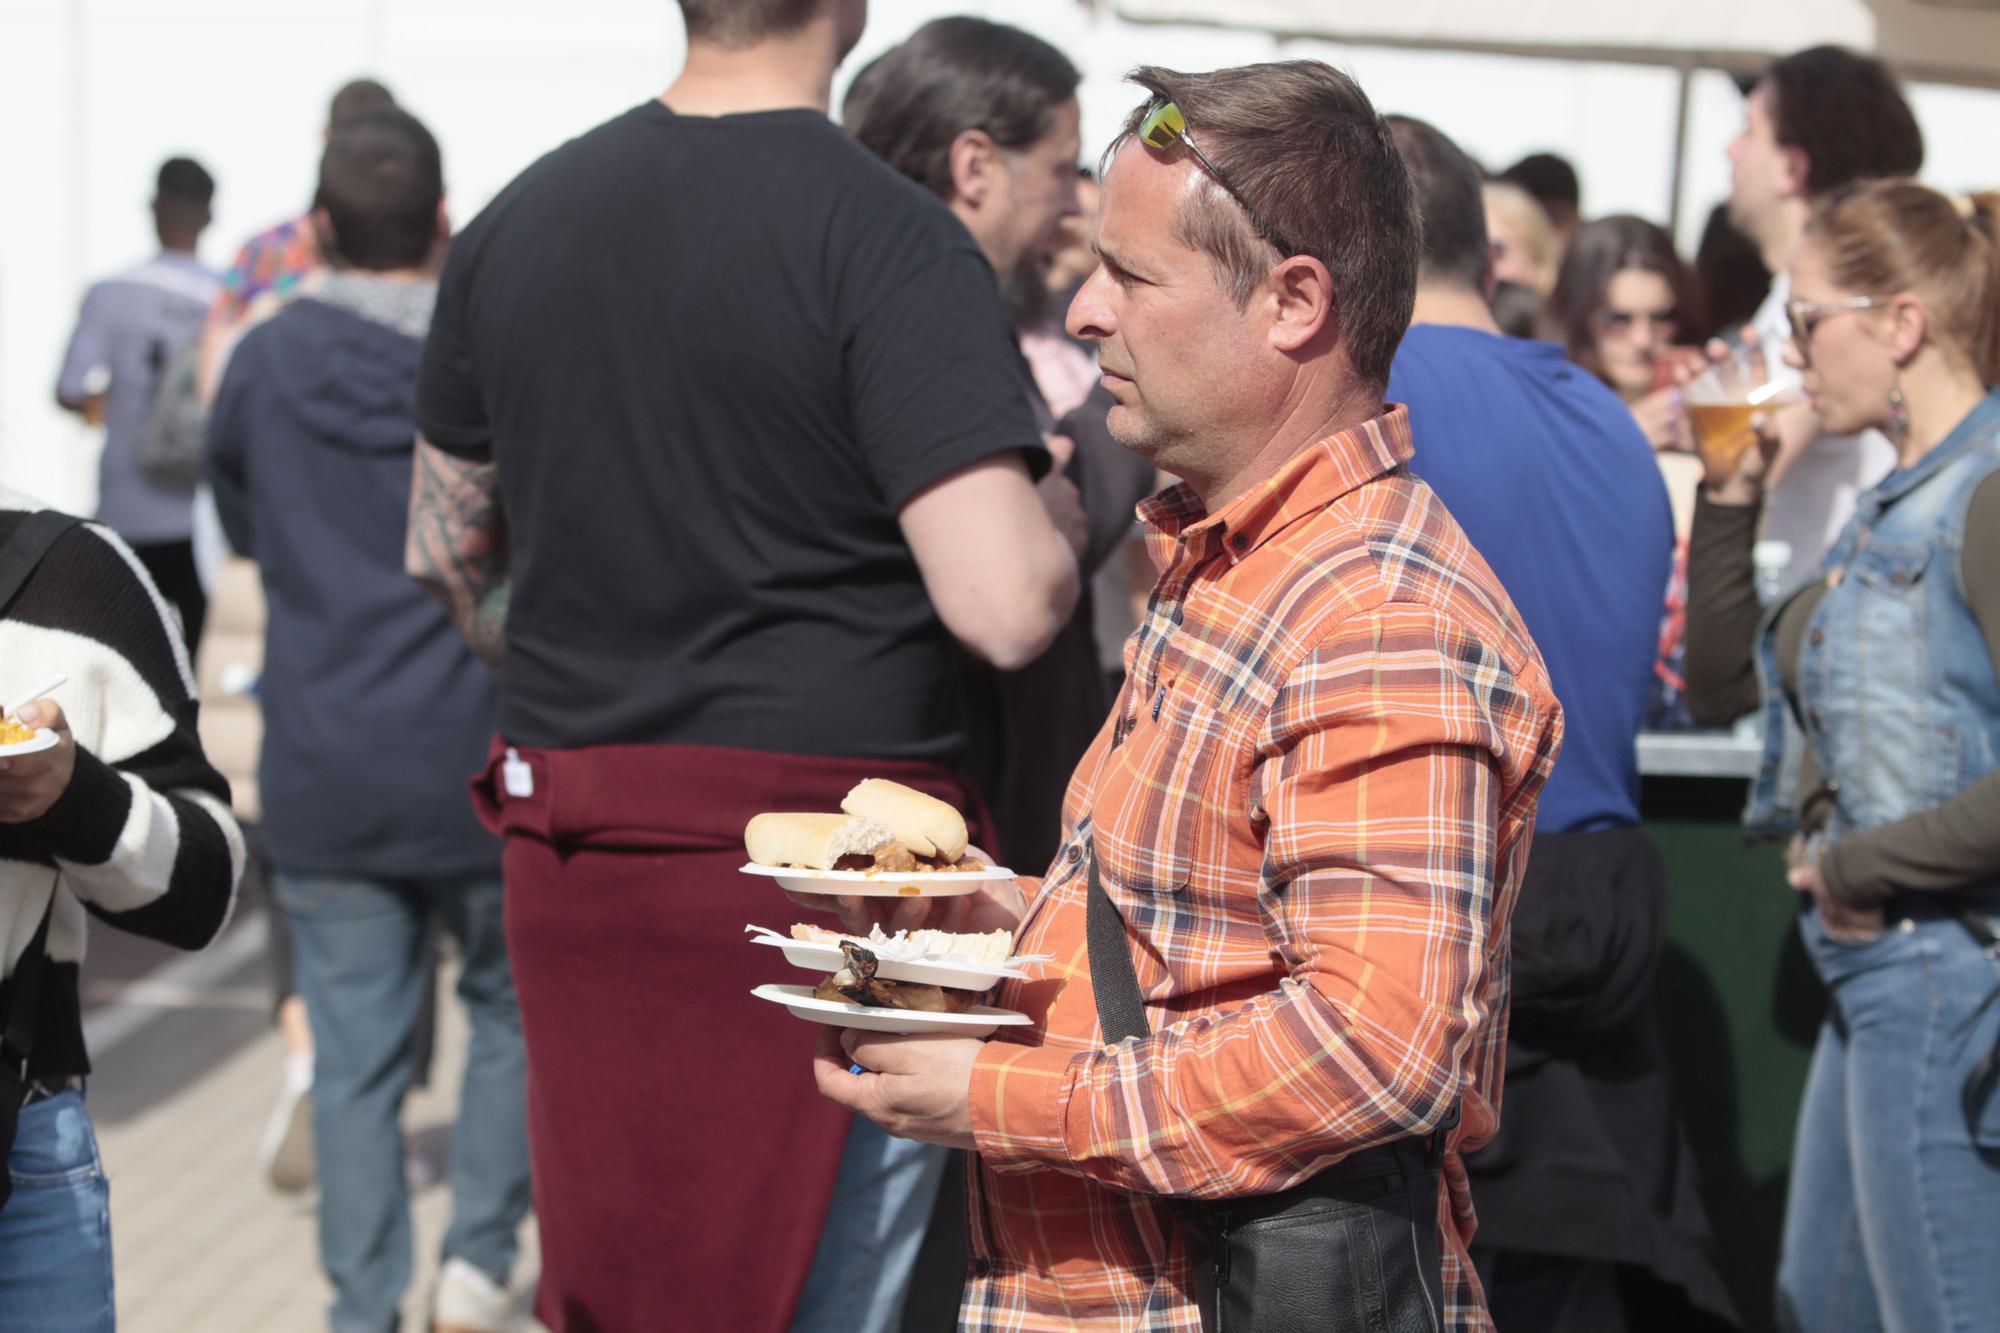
457, 544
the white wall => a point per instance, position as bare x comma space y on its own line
94, 93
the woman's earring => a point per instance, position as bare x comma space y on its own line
1899, 415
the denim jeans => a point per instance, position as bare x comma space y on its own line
360, 964
55, 1233
882, 1200
1894, 1203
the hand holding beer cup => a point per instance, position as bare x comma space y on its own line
1731, 406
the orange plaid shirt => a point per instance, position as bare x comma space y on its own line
1312, 806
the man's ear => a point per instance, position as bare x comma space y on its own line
1795, 169
974, 161
1302, 292
322, 225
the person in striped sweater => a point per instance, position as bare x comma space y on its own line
123, 819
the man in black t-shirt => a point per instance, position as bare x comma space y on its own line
985, 116
724, 455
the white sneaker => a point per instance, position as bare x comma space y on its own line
468, 1301
285, 1153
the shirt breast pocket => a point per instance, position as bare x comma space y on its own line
1150, 818
1895, 568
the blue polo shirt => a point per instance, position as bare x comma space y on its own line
1552, 480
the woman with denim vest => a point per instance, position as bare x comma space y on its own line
1880, 689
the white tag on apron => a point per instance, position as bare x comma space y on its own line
516, 776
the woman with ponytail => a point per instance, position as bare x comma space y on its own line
1880, 687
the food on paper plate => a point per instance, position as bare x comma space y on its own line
817, 842
856, 983
15, 733
991, 949
927, 826
886, 827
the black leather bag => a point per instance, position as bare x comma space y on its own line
1354, 1249
19, 558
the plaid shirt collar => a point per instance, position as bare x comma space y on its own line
1180, 527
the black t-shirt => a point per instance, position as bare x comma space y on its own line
712, 359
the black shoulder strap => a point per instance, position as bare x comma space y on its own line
19, 559
1121, 1009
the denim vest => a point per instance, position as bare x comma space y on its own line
1897, 694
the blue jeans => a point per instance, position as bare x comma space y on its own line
1894, 1203
55, 1233
882, 1200
360, 965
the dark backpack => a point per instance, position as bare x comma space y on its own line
169, 449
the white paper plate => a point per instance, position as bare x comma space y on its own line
974, 1022
825, 958
44, 740
882, 884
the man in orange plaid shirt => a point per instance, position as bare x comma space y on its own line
1313, 801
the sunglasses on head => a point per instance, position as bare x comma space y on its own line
1164, 126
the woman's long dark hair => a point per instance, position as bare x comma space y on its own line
1598, 252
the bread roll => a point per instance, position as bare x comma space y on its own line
815, 842
924, 824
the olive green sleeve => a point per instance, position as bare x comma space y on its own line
1722, 612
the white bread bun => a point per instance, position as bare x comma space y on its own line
813, 841
924, 824
993, 948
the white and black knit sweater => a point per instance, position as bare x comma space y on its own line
143, 839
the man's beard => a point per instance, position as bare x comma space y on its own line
1024, 290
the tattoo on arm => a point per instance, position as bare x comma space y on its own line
457, 545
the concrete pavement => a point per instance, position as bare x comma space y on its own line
188, 1069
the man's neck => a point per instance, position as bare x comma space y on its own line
424, 274
183, 247
971, 220
1453, 305
1307, 422
781, 73
1775, 247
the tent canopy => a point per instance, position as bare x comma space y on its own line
1940, 41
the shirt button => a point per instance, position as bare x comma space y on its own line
1240, 541
1816, 638
981, 1266
1075, 853
1813, 716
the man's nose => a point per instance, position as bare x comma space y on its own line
1088, 315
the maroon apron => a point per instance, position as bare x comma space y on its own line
683, 1158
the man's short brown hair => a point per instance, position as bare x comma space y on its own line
355, 97
738, 23
1847, 113
1303, 146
